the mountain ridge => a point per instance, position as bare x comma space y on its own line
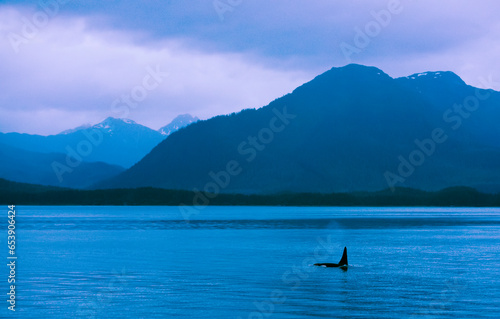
50, 169
115, 141
353, 124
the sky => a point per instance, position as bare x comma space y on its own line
65, 63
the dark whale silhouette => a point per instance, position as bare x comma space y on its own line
342, 263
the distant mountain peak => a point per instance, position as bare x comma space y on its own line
186, 117
123, 142
112, 120
179, 122
110, 124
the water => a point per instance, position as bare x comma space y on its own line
255, 262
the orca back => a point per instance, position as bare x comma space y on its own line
343, 260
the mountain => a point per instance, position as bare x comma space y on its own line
472, 119
51, 169
350, 129
114, 141
178, 123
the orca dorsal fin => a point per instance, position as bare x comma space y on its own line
343, 260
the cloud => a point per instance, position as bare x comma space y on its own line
70, 72
90, 54
309, 32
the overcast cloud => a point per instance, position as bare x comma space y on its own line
80, 65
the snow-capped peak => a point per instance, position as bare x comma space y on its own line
434, 75
446, 76
178, 123
129, 121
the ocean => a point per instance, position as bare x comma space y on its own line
254, 262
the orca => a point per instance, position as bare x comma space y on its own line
342, 263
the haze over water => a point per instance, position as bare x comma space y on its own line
256, 262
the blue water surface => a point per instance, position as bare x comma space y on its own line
254, 262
